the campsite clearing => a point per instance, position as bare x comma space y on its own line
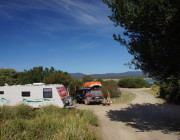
142, 118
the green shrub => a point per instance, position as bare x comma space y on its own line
170, 90
8, 76
155, 87
112, 87
133, 83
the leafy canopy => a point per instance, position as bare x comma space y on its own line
87, 78
8, 76
152, 28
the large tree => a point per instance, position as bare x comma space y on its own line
8, 76
34, 75
152, 36
58, 77
87, 78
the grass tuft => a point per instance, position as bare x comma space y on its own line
125, 98
155, 94
47, 123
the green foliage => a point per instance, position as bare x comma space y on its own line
74, 85
151, 35
58, 77
133, 83
49, 122
46, 75
8, 76
151, 27
99, 80
35, 75
87, 78
112, 87
155, 87
170, 90
38, 75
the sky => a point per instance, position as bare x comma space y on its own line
69, 35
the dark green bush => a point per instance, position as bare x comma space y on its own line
170, 90
133, 82
8, 76
112, 87
87, 78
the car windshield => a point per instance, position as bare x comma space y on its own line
96, 92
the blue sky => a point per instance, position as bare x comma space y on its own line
70, 35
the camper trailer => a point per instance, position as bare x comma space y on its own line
35, 95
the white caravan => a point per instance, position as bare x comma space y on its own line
34, 95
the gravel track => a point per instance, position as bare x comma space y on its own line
142, 119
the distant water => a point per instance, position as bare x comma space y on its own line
150, 80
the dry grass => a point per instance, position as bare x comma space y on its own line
124, 98
24, 123
154, 91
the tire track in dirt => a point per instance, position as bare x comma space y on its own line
143, 118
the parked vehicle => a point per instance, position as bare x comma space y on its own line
90, 93
35, 95
68, 101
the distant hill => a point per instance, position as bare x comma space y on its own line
77, 75
110, 75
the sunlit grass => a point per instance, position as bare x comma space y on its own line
124, 98
155, 94
50, 122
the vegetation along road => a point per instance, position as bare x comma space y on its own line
142, 119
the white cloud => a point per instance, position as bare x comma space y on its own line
87, 45
82, 11
66, 15
87, 13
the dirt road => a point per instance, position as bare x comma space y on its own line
143, 119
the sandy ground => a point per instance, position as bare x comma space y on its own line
142, 119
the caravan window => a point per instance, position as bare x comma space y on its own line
25, 93
47, 92
1, 92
